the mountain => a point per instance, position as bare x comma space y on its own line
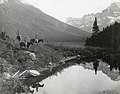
16, 15
106, 17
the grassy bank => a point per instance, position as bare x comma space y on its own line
13, 58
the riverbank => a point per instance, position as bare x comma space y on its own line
52, 71
104, 67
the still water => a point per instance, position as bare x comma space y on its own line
77, 80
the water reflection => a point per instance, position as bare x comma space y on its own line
113, 60
77, 80
95, 66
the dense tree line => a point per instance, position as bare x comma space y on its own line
109, 37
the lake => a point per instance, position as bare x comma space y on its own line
74, 44
77, 80
69, 44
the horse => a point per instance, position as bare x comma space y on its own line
23, 44
40, 40
36, 41
28, 44
18, 37
33, 41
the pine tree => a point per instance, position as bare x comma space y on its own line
95, 27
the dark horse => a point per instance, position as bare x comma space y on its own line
18, 37
40, 40
36, 41
23, 44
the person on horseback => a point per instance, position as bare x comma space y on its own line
25, 40
36, 39
18, 36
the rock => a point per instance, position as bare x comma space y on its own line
29, 72
50, 63
32, 55
34, 72
6, 75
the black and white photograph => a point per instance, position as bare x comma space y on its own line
59, 46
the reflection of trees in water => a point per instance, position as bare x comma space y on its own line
113, 60
95, 66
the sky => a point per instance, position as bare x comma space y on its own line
61, 9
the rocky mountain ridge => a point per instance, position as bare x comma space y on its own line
106, 17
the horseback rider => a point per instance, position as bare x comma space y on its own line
36, 39
25, 40
18, 36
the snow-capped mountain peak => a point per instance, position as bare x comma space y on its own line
117, 3
114, 6
106, 17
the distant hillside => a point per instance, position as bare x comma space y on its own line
106, 17
15, 15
